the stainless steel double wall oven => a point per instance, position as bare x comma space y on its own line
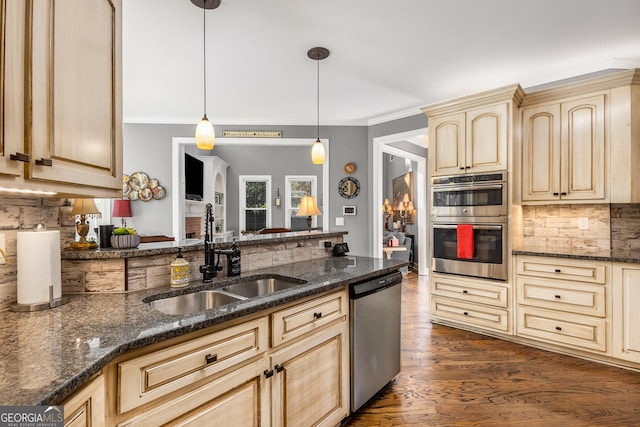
478, 200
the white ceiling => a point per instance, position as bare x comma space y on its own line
388, 58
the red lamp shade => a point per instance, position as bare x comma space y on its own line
122, 208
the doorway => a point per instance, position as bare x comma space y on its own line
385, 144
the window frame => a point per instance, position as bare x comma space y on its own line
242, 199
288, 179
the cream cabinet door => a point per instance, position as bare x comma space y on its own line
626, 316
12, 72
541, 153
583, 156
86, 408
311, 380
447, 142
76, 91
486, 136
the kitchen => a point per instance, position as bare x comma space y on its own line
42, 209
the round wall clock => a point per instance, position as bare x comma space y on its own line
350, 168
349, 187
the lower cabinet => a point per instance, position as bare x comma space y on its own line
86, 408
287, 366
472, 302
626, 315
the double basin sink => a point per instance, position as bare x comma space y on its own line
211, 298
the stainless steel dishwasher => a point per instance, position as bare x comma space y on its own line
375, 335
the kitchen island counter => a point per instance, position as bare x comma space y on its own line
46, 355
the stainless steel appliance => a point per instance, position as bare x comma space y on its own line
375, 336
481, 201
489, 259
481, 195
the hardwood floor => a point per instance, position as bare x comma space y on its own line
452, 377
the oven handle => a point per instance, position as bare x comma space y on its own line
475, 187
475, 227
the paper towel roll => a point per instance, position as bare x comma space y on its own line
38, 254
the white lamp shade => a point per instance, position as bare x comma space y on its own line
317, 153
205, 135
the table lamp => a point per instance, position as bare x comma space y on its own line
122, 210
83, 208
308, 208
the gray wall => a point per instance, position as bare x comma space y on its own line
147, 148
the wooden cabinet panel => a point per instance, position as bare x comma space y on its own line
470, 314
157, 374
487, 132
626, 315
466, 290
571, 297
447, 139
582, 332
311, 380
12, 85
301, 319
561, 268
86, 408
240, 398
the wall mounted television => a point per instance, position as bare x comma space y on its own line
193, 178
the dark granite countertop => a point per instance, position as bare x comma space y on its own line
171, 247
47, 355
594, 255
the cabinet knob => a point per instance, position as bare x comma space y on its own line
464, 291
557, 296
210, 358
557, 270
44, 162
21, 157
317, 315
558, 328
465, 313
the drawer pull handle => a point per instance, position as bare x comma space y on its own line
21, 157
461, 168
558, 328
564, 193
557, 270
465, 313
557, 296
279, 368
44, 162
317, 315
268, 373
464, 291
210, 358
556, 194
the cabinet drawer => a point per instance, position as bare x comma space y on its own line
565, 269
471, 314
300, 319
559, 328
148, 377
581, 298
483, 293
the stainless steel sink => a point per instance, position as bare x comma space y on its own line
257, 287
193, 302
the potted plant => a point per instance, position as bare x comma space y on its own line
125, 238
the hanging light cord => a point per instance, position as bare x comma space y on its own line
204, 56
318, 98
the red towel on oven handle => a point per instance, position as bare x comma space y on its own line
465, 241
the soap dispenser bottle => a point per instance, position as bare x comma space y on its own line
233, 261
179, 271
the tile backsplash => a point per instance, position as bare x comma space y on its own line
17, 214
625, 227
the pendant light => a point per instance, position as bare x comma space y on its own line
205, 134
317, 150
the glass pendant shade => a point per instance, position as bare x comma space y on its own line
205, 135
317, 153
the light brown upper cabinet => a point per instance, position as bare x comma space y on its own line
472, 134
581, 142
67, 57
564, 151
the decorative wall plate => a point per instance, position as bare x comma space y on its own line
349, 187
349, 168
138, 186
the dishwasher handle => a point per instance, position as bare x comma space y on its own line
370, 286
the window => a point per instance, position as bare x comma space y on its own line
296, 187
255, 202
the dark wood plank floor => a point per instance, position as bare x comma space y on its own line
452, 377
